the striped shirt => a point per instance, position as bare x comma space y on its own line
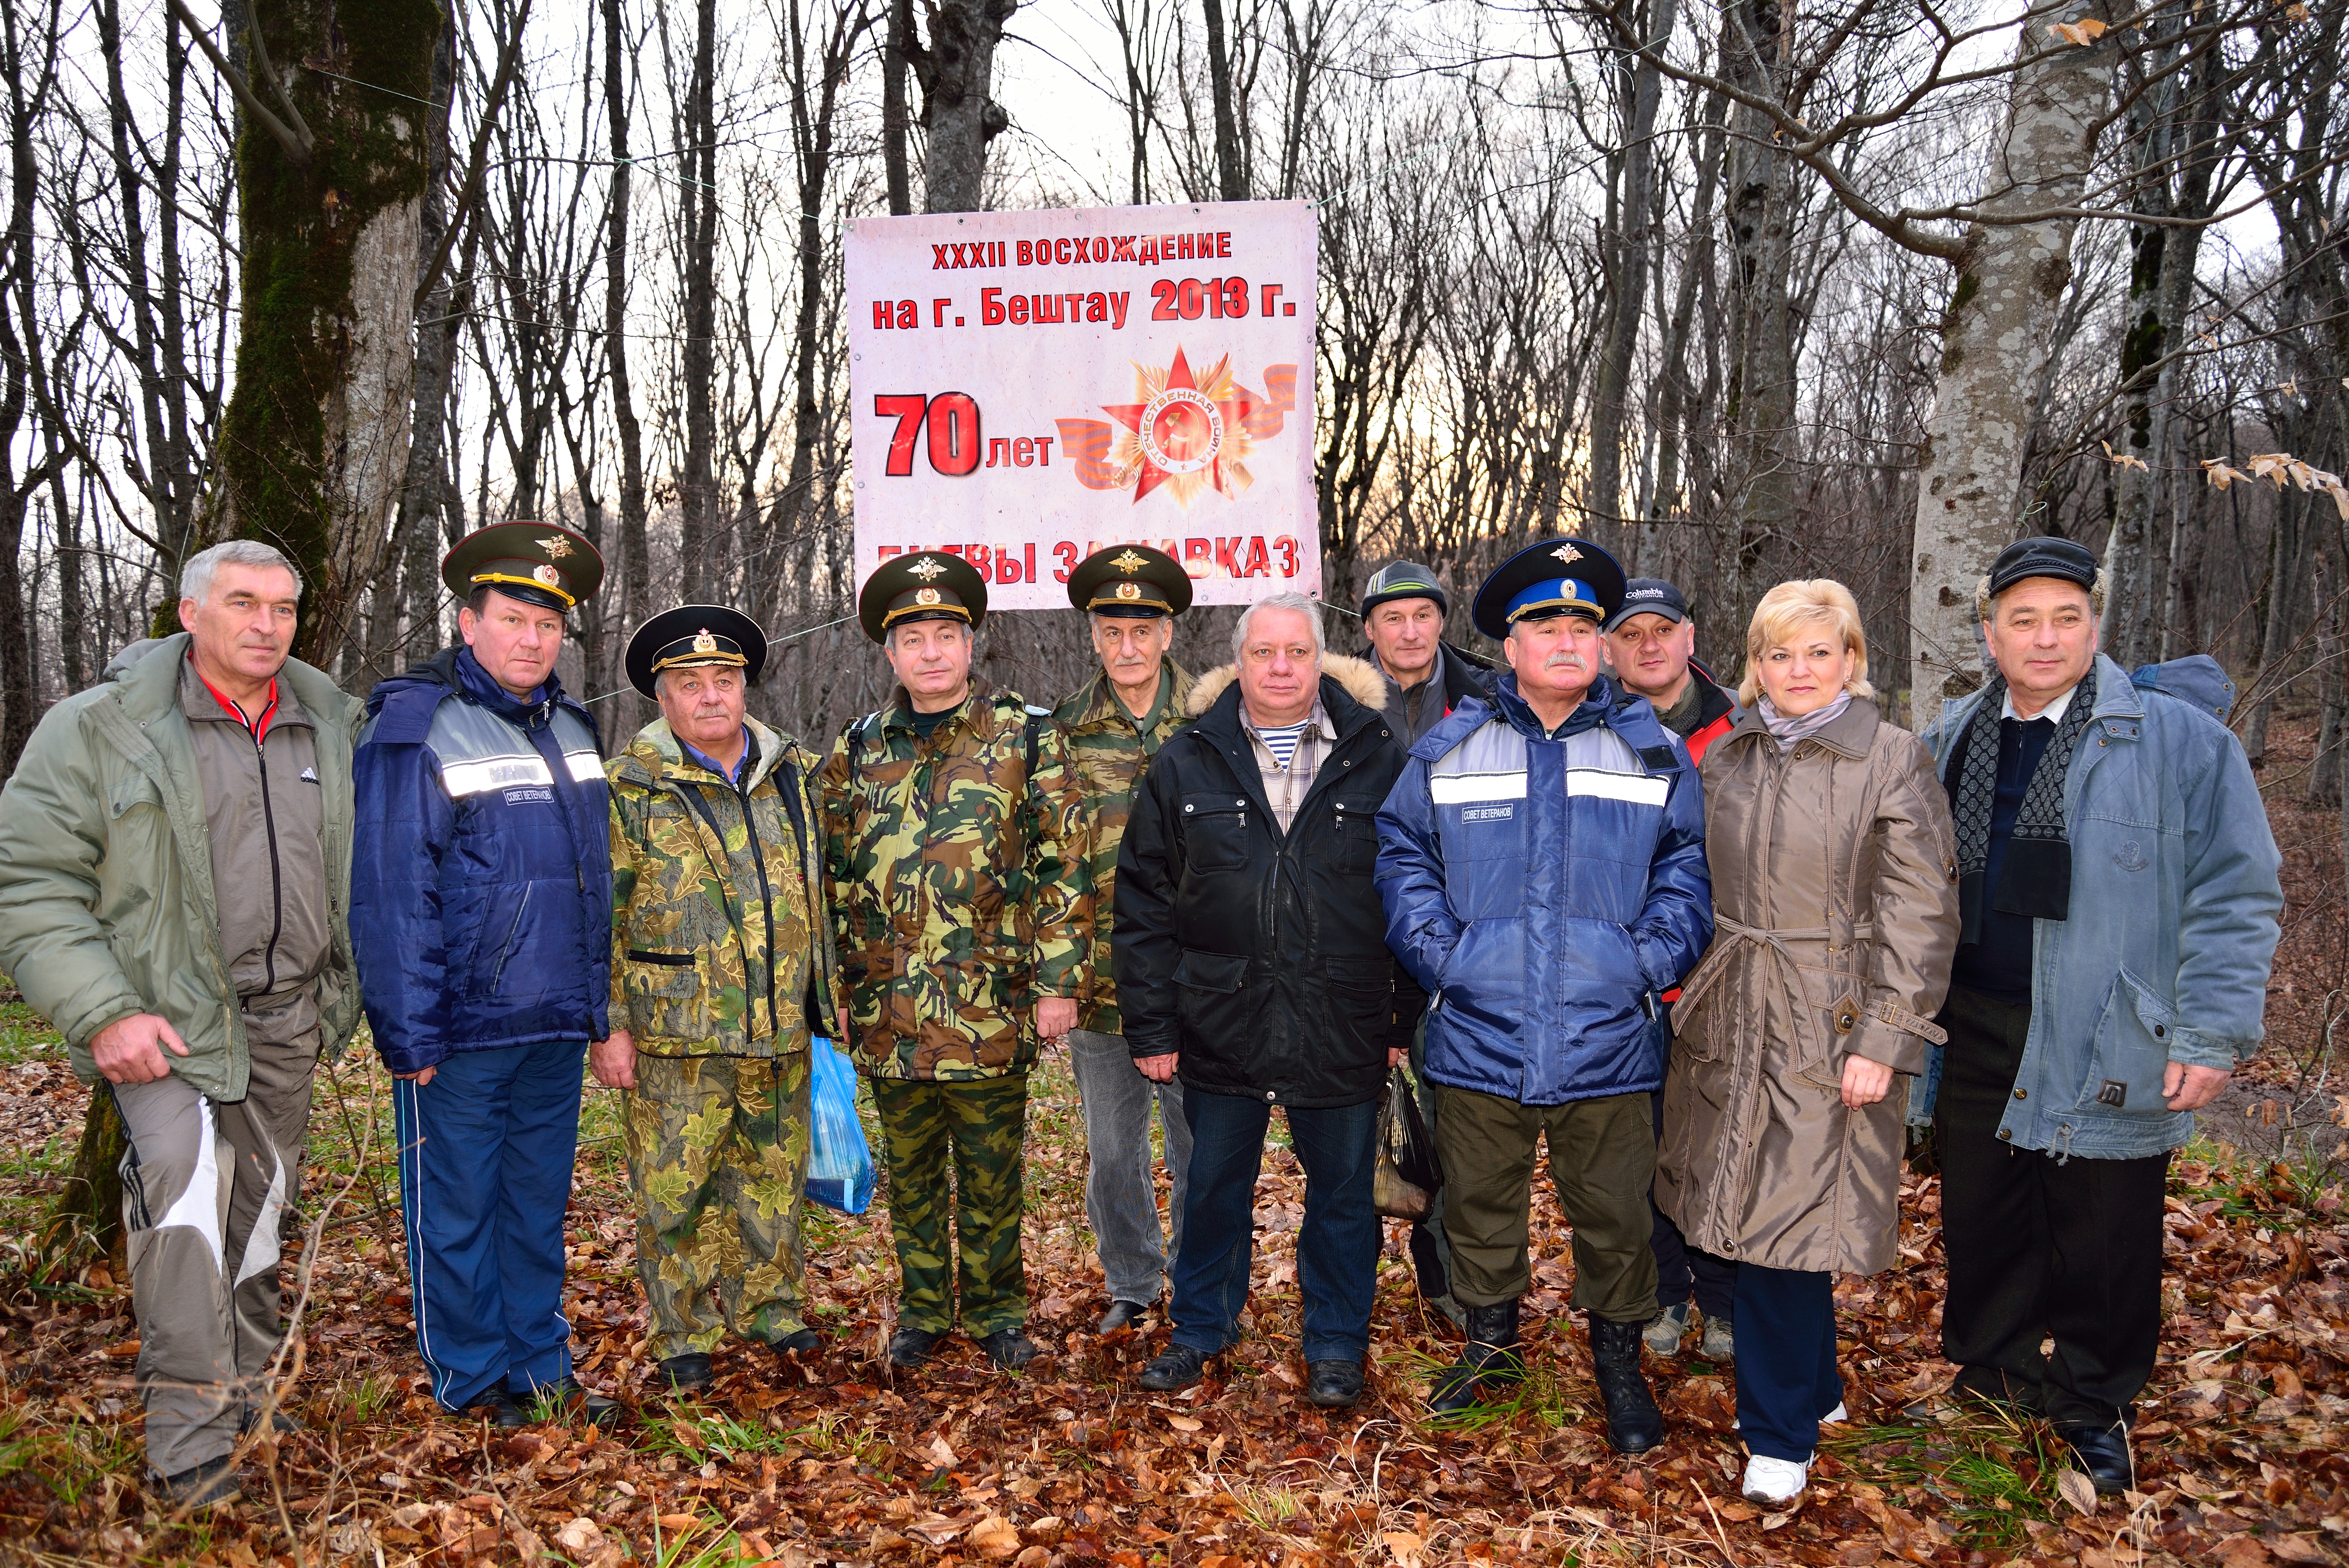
1287, 757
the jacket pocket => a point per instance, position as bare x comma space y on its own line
1215, 832
1357, 828
1828, 1009
489, 973
2132, 1052
1208, 1002
1485, 979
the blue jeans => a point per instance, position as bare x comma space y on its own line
1121, 1185
1786, 1376
1336, 1251
485, 1157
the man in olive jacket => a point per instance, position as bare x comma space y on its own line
1251, 955
175, 861
721, 976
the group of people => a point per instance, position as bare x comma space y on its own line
1721, 952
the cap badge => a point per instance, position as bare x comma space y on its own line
925, 569
555, 546
703, 642
1129, 564
1129, 590
1566, 552
926, 596
547, 574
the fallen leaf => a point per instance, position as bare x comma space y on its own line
995, 1535
580, 1538
1184, 1423
939, 1452
2297, 1549
2077, 1490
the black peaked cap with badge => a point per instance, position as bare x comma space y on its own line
536, 563
1130, 582
926, 585
1556, 577
694, 634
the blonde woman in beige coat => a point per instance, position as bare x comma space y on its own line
1836, 911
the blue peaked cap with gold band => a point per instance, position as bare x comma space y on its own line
1554, 577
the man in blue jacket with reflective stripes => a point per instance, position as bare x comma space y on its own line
1541, 862
482, 915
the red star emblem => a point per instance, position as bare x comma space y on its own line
1187, 431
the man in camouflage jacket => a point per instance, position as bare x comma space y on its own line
954, 840
722, 968
1115, 722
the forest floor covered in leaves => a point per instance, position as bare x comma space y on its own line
2242, 1445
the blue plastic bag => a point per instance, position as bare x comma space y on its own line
840, 1163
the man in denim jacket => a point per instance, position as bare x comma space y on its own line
2120, 896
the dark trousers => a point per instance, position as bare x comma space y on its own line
485, 1157
1431, 1252
1337, 1250
1602, 1169
1786, 1376
1683, 1271
2040, 1247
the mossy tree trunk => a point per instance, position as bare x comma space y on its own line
314, 441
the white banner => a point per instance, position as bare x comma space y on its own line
1029, 386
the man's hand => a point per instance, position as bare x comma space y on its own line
613, 1060
1158, 1069
420, 1076
1055, 1016
847, 1034
2190, 1088
1864, 1082
127, 1050
1397, 1055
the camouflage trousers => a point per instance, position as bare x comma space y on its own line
978, 1127
717, 1154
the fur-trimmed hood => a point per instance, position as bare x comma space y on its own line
1358, 678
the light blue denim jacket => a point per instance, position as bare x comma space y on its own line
2173, 923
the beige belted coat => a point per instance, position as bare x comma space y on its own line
1835, 910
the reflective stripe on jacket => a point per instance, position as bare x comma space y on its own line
481, 881
1547, 889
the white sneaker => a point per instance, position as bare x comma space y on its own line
1773, 1481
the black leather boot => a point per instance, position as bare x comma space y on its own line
1634, 1424
1490, 1357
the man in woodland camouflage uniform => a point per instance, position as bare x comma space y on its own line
954, 840
722, 971
1115, 722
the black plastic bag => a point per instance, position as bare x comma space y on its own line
1407, 1174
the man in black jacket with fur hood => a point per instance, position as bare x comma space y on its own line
1252, 958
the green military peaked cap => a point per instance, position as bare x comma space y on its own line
926, 585
695, 634
1131, 581
536, 563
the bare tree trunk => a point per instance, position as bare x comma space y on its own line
1626, 251
635, 556
1761, 225
896, 120
956, 70
697, 210
814, 105
1231, 180
415, 536
2324, 578
1673, 403
2009, 284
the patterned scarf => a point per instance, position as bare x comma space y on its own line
2036, 878
1791, 732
